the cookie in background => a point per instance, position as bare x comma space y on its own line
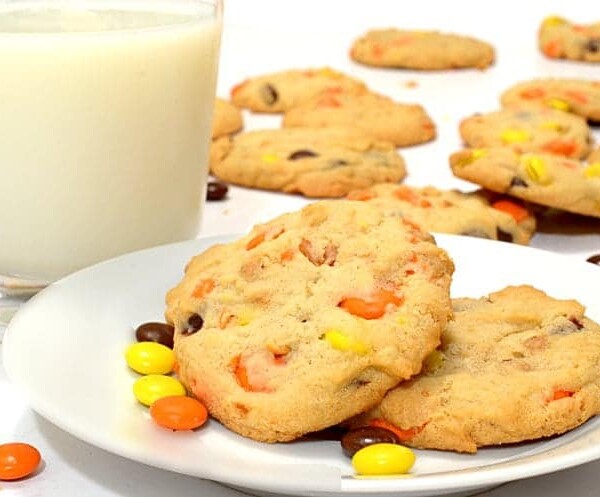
422, 50
315, 162
560, 38
479, 214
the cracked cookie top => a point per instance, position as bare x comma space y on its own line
309, 319
515, 365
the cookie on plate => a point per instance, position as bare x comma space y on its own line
227, 118
516, 365
316, 162
529, 130
425, 50
559, 38
581, 97
450, 211
309, 319
381, 117
280, 91
545, 179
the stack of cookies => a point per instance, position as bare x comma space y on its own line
340, 313
539, 147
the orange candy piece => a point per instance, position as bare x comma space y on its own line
567, 148
18, 460
374, 307
515, 210
179, 413
403, 435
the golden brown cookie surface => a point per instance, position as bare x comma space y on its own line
379, 116
308, 319
550, 180
452, 211
579, 96
280, 91
316, 162
227, 118
516, 365
529, 130
560, 38
425, 50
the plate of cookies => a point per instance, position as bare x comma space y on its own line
391, 293
323, 334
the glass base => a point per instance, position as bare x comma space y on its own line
12, 286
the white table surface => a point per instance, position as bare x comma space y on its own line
270, 35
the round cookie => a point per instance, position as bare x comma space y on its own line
514, 366
578, 96
425, 50
227, 118
309, 319
559, 38
381, 117
278, 92
566, 184
450, 211
316, 162
529, 130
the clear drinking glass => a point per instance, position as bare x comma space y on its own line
105, 119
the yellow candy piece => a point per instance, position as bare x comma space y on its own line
270, 158
592, 170
329, 73
340, 341
475, 153
512, 135
536, 169
553, 126
552, 21
383, 459
558, 104
150, 358
148, 389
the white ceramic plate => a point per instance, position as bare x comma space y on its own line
64, 349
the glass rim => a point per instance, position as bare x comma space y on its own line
190, 10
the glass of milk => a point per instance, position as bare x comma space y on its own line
105, 119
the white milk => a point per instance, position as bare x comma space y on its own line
104, 130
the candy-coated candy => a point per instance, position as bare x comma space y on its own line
270, 158
473, 155
553, 126
558, 104
552, 21
512, 135
536, 170
383, 459
155, 332
592, 171
179, 413
340, 341
148, 389
150, 358
18, 460
358, 438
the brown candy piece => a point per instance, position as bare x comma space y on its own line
155, 332
216, 190
195, 323
356, 439
301, 154
594, 259
269, 94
